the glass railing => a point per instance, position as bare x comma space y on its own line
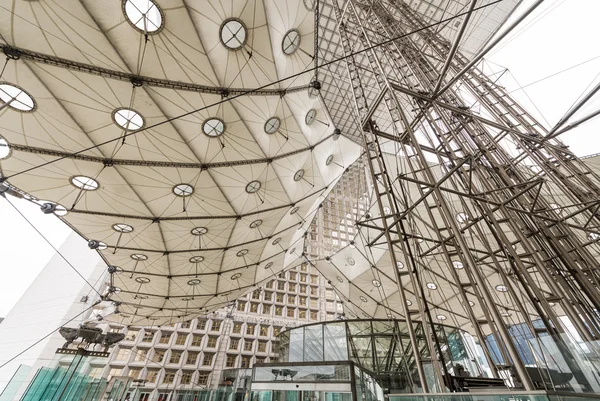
302, 373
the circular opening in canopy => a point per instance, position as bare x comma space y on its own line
501, 288
376, 283
351, 261
236, 276
276, 241
139, 256
269, 265
199, 230
4, 148
310, 5
193, 281
196, 259
432, 286
310, 117
16, 98
85, 183
256, 223
299, 174
329, 160
183, 190
253, 186
128, 119
142, 280
122, 228
291, 41
294, 210
242, 252
400, 265
457, 264
233, 34
213, 127
363, 298
145, 15
594, 236
341, 280
441, 317
272, 125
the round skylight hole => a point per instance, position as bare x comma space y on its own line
441, 317
144, 15
139, 256
213, 127
272, 125
276, 241
233, 34
400, 265
193, 281
457, 265
363, 298
122, 228
199, 231
294, 210
387, 210
142, 280
329, 160
291, 42
594, 236
128, 119
4, 148
432, 286
84, 183
256, 223
505, 314
102, 246
253, 186
299, 174
376, 283
351, 261
501, 288
556, 207
408, 302
196, 259
16, 97
341, 280
292, 250
236, 276
242, 252
183, 190
269, 265
471, 303
310, 117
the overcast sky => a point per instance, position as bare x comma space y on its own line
565, 36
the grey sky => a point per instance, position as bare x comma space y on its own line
564, 37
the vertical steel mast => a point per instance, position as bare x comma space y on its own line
464, 176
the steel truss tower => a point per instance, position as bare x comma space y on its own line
465, 176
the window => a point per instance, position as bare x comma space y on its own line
267, 310
329, 305
185, 325
302, 314
253, 307
303, 288
314, 279
208, 358
158, 356
233, 344
216, 325
293, 276
141, 355
186, 378
276, 330
250, 329
256, 294
303, 277
302, 301
241, 306
262, 346
203, 379
279, 298
291, 299
230, 362
169, 377
134, 373
181, 339
313, 315
196, 340
314, 303
248, 344
212, 342
237, 328
175, 357
115, 372
192, 358
123, 354
291, 312
329, 293
281, 285
201, 325
148, 337
268, 296
164, 338
245, 362
131, 335
314, 291
151, 375
291, 287
264, 330
304, 267
269, 284
279, 311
